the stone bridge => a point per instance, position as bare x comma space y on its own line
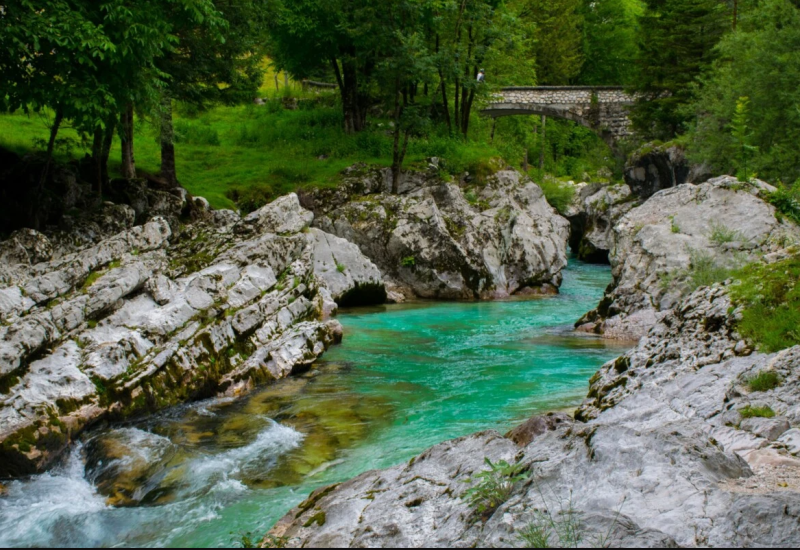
602, 109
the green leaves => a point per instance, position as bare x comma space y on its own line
759, 61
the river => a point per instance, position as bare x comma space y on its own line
407, 377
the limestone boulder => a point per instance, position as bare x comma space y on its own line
594, 212
441, 241
679, 239
148, 319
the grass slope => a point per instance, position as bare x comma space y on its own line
244, 156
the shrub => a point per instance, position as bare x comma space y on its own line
493, 487
764, 381
770, 299
559, 195
787, 201
757, 412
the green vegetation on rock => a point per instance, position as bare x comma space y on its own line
769, 295
757, 412
764, 381
493, 486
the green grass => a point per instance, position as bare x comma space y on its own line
720, 235
757, 412
764, 381
494, 486
705, 270
770, 297
244, 156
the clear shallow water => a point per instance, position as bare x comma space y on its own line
406, 378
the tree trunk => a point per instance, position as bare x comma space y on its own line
468, 111
286, 79
97, 158
397, 160
51, 146
108, 140
446, 105
168, 170
457, 113
277, 85
544, 143
354, 111
126, 137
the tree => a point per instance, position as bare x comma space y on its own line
558, 49
610, 44
50, 55
677, 40
216, 60
760, 61
341, 36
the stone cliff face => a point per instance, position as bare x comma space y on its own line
594, 212
673, 240
140, 321
439, 240
662, 455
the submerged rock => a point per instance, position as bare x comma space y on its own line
654, 459
438, 240
678, 240
147, 319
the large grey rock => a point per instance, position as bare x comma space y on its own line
346, 273
653, 461
767, 428
660, 246
655, 168
146, 319
437, 240
594, 212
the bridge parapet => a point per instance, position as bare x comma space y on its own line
604, 109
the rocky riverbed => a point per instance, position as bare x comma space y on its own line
117, 320
660, 456
673, 446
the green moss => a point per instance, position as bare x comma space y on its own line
409, 262
769, 295
757, 412
7, 383
90, 280
319, 518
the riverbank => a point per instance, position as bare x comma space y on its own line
199, 472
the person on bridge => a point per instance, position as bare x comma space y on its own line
481, 77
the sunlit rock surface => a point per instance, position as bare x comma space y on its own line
659, 456
147, 319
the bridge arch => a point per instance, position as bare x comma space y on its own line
602, 109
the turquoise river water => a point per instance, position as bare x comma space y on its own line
406, 378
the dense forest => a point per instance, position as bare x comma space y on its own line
719, 77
